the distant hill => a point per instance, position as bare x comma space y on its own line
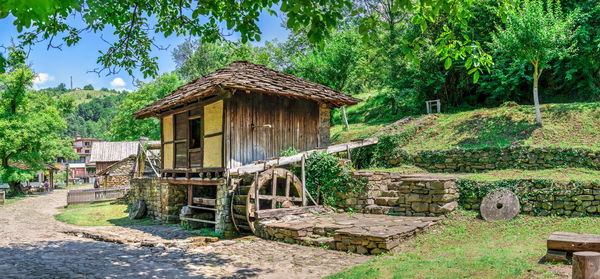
84, 96
565, 125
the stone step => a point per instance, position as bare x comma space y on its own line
321, 241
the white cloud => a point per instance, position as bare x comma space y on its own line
42, 78
118, 83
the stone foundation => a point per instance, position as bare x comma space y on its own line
400, 194
358, 233
165, 200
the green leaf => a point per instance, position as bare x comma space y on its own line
447, 63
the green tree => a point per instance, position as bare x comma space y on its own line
30, 127
88, 87
125, 127
333, 64
536, 32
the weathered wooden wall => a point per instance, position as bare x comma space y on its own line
100, 166
293, 123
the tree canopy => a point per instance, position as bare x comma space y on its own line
124, 127
30, 126
136, 22
536, 32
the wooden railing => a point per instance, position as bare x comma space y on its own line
96, 195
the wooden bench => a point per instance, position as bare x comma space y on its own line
561, 245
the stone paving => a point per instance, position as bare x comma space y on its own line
34, 245
360, 233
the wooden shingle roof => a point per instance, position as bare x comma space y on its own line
113, 151
249, 77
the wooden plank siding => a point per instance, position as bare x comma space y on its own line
262, 126
252, 127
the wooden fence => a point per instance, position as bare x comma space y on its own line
96, 195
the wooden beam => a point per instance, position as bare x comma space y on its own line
204, 201
274, 190
573, 242
190, 192
303, 195
197, 220
287, 184
256, 192
202, 207
192, 182
286, 160
279, 198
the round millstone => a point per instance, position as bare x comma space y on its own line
501, 204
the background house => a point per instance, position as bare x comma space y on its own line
105, 154
80, 170
119, 173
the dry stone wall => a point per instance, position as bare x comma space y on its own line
163, 200
537, 196
400, 194
120, 176
485, 159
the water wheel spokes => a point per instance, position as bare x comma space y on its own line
275, 188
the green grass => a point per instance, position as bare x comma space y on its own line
355, 131
565, 125
99, 214
467, 247
75, 186
559, 174
84, 96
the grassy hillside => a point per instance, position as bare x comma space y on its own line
84, 96
565, 125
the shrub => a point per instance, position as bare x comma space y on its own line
327, 177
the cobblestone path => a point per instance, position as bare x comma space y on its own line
33, 245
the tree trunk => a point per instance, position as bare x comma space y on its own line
345, 118
16, 188
586, 265
536, 99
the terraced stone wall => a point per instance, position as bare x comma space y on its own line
406, 195
163, 200
484, 159
537, 196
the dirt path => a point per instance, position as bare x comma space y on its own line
33, 245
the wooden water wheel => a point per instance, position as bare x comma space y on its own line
276, 188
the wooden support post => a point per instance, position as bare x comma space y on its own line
348, 152
256, 193
190, 192
586, 265
287, 185
274, 190
303, 181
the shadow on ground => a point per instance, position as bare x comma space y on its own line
90, 259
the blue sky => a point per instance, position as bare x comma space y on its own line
54, 66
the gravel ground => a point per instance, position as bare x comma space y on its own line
34, 245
